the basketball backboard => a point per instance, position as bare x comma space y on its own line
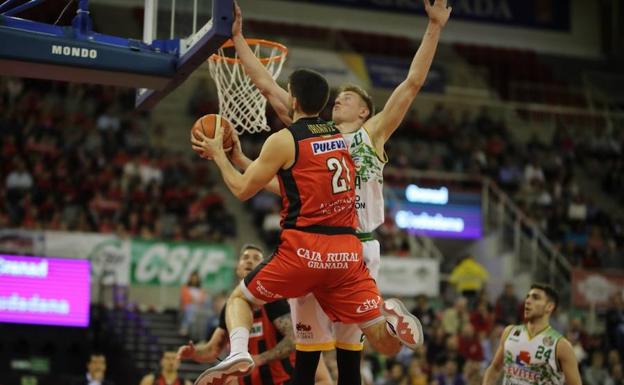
76, 53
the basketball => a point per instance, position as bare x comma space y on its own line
207, 125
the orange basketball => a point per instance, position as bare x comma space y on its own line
207, 124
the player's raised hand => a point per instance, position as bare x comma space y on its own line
237, 25
439, 12
191, 352
186, 352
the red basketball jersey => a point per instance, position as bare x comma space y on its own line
318, 191
264, 336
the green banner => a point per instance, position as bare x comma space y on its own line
170, 263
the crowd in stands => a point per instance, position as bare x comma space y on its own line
540, 175
461, 340
80, 158
462, 336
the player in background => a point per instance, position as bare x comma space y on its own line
353, 114
318, 250
271, 343
168, 374
534, 353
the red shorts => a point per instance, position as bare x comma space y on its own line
330, 266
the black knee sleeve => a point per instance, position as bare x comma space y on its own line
305, 367
348, 367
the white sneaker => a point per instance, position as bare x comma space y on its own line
406, 326
235, 365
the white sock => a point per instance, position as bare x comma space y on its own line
239, 339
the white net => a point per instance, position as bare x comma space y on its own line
239, 100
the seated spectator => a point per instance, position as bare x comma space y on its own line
436, 343
417, 372
451, 352
596, 373
506, 308
168, 374
616, 377
424, 312
472, 373
18, 182
396, 375
482, 319
613, 359
450, 374
615, 323
470, 345
454, 318
192, 300
96, 371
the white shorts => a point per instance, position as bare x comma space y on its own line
312, 328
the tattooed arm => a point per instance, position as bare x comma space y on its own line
284, 347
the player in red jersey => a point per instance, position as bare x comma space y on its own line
270, 343
318, 251
353, 113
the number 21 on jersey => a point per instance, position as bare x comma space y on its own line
341, 178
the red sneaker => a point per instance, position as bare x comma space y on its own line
406, 326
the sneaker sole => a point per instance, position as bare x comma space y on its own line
220, 377
404, 316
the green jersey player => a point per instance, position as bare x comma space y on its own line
534, 353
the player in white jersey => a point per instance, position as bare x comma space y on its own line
366, 136
534, 353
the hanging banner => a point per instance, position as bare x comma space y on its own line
171, 263
596, 286
539, 14
22, 242
109, 255
407, 276
117, 261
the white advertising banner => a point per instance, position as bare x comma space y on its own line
408, 276
109, 255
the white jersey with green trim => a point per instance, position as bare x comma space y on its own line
531, 360
369, 200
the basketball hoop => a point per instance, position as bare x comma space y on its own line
239, 100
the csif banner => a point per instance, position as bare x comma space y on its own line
170, 263
539, 14
125, 261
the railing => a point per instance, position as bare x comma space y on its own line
533, 252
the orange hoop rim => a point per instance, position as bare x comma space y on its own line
266, 43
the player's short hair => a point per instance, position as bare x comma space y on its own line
550, 292
252, 246
361, 92
311, 90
